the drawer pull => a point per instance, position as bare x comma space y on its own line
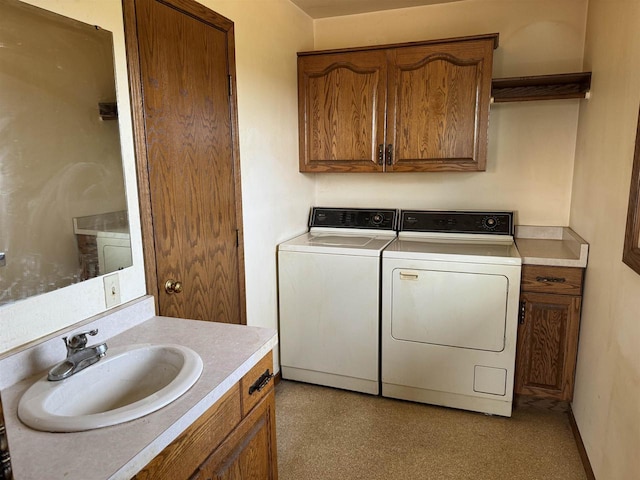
550, 279
261, 382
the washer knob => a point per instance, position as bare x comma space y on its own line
377, 219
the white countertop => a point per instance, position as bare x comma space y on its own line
120, 451
553, 246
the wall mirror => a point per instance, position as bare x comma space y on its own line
64, 212
631, 255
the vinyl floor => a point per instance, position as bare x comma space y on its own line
330, 434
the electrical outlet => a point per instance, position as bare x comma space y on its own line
112, 290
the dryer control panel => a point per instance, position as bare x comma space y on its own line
365, 218
499, 223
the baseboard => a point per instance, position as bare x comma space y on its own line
277, 378
581, 450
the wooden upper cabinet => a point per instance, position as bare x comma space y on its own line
342, 106
396, 108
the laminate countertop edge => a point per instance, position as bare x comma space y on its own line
120, 451
551, 246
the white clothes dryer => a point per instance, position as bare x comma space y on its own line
329, 298
451, 285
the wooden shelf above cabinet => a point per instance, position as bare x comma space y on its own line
541, 87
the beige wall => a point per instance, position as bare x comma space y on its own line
607, 397
531, 145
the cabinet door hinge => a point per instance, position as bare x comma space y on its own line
523, 312
237, 238
230, 85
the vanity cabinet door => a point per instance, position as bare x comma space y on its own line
249, 453
341, 104
438, 108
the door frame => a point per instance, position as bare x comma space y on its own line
200, 12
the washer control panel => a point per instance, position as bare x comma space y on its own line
499, 223
365, 218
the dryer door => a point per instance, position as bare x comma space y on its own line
451, 308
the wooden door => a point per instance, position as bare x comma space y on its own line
249, 453
181, 61
547, 345
438, 107
341, 111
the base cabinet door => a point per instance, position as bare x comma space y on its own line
547, 345
249, 453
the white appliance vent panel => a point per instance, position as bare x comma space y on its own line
455, 309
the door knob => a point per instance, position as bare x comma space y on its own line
173, 286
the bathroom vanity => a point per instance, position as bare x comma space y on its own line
216, 428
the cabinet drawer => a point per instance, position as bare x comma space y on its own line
256, 383
545, 279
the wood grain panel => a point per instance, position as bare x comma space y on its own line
341, 118
547, 346
438, 106
188, 124
546, 279
199, 440
546, 352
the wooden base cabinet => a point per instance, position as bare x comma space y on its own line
234, 440
548, 332
415, 107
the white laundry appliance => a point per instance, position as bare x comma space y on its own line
329, 298
451, 285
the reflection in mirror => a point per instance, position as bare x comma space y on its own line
63, 217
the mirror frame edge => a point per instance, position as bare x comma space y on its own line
631, 252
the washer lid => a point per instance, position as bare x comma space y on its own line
458, 248
343, 242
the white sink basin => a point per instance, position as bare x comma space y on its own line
126, 384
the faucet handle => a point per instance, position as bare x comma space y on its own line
79, 340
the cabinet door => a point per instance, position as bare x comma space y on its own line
438, 110
341, 102
547, 345
249, 453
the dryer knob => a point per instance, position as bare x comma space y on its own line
377, 219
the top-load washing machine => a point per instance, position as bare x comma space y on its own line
451, 283
329, 298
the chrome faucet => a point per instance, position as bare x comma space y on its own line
79, 356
